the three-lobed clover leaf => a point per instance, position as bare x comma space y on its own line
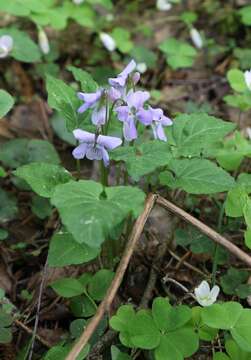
5, 330
178, 53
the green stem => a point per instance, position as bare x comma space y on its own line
216, 249
78, 169
103, 174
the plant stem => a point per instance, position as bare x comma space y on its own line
216, 249
103, 174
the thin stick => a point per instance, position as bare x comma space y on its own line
41, 288
106, 303
30, 332
205, 229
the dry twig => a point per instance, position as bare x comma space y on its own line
212, 234
106, 303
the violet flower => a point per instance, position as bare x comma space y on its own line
121, 79
155, 118
94, 147
94, 101
128, 113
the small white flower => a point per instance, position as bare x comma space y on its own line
141, 67
108, 41
6, 45
247, 76
248, 130
43, 41
163, 5
196, 38
78, 2
204, 295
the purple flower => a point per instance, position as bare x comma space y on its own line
94, 147
6, 45
155, 118
128, 113
121, 79
94, 101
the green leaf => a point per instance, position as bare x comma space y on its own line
236, 80
5, 330
247, 237
168, 318
63, 98
124, 316
245, 13
91, 218
231, 283
43, 178
241, 331
8, 208
143, 331
119, 355
68, 287
122, 39
24, 49
76, 328
65, 250
3, 235
88, 85
100, 283
6, 103
41, 207
19, 152
222, 316
197, 176
235, 201
220, 356
61, 131
82, 306
167, 350
143, 55
178, 53
194, 133
244, 180
143, 159
247, 212
235, 352
239, 101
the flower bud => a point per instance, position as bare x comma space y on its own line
163, 5
108, 41
196, 38
6, 45
247, 77
78, 2
43, 42
141, 67
136, 77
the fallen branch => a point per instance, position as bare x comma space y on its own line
219, 239
106, 303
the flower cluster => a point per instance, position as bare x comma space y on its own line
130, 107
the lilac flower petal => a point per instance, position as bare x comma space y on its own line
94, 153
128, 69
118, 81
105, 155
160, 132
144, 116
84, 136
80, 151
156, 113
137, 99
84, 107
90, 97
166, 121
123, 112
99, 116
129, 130
114, 94
109, 142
